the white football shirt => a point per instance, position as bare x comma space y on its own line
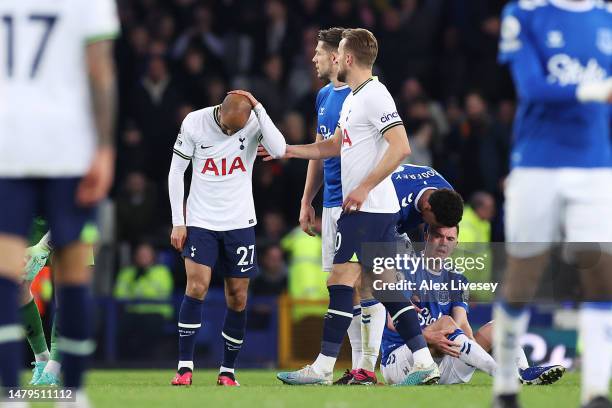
221, 195
367, 113
46, 123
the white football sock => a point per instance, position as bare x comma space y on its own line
53, 367
507, 332
226, 370
187, 364
475, 356
422, 358
44, 356
521, 359
596, 334
324, 364
373, 321
354, 334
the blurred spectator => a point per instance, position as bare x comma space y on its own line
480, 160
273, 226
194, 76
272, 278
344, 14
301, 76
145, 280
475, 237
307, 281
270, 88
200, 34
136, 208
475, 226
133, 153
420, 128
267, 186
154, 103
294, 171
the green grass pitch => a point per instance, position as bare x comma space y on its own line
260, 388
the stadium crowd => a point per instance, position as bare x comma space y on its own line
437, 58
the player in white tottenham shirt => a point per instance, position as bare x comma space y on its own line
372, 142
221, 144
56, 156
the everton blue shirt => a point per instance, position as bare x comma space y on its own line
329, 103
551, 46
410, 183
436, 294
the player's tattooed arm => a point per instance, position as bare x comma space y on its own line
103, 89
96, 183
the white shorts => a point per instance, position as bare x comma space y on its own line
329, 228
399, 364
546, 206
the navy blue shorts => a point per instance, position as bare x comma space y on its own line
362, 236
54, 199
231, 253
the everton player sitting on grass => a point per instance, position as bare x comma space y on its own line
443, 315
219, 229
371, 142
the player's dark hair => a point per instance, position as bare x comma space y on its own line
447, 206
331, 37
362, 44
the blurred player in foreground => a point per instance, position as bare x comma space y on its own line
47, 364
56, 159
560, 55
218, 229
371, 142
443, 315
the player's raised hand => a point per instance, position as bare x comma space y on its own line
95, 184
307, 219
355, 199
254, 102
178, 237
438, 340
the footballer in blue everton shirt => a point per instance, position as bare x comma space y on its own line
438, 292
425, 196
559, 53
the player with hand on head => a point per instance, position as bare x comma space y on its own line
560, 56
57, 116
371, 142
218, 229
443, 315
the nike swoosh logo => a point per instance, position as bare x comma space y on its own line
244, 270
205, 147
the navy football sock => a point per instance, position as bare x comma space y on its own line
338, 319
11, 334
74, 326
406, 323
190, 321
233, 336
